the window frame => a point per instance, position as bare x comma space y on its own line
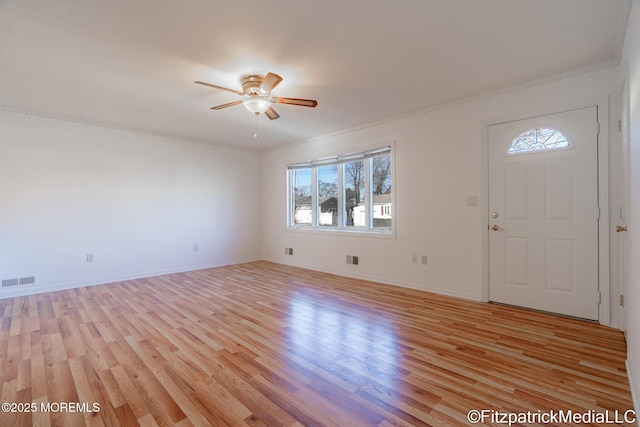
365, 154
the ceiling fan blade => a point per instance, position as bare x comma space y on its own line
271, 113
219, 87
295, 101
270, 81
230, 104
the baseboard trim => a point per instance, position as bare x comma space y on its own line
386, 281
35, 289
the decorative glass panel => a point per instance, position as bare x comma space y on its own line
538, 139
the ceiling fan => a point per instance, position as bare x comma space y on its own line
257, 92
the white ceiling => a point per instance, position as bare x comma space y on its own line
132, 63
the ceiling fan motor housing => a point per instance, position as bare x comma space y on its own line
251, 85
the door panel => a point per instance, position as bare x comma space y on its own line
517, 196
559, 181
559, 262
543, 204
517, 261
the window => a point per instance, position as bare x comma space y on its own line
301, 195
538, 139
328, 196
381, 183
349, 192
354, 194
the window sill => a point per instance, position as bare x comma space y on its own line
383, 234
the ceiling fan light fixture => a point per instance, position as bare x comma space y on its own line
256, 104
256, 91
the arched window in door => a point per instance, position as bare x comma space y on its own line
538, 139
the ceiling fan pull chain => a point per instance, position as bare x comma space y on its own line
256, 135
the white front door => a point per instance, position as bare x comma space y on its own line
543, 213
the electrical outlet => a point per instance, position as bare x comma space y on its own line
89, 257
355, 260
288, 251
424, 260
622, 300
195, 248
414, 259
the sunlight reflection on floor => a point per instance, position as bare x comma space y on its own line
358, 340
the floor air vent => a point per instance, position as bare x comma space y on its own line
29, 280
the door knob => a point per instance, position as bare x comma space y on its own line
620, 228
496, 228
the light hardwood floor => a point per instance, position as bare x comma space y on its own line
264, 344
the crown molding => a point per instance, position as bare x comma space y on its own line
422, 111
457, 102
419, 112
112, 126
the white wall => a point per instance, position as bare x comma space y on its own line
440, 161
137, 202
631, 59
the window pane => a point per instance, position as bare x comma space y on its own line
328, 196
301, 196
381, 190
538, 139
354, 194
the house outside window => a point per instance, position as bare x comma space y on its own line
301, 197
351, 192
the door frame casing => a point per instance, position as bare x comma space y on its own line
620, 194
602, 104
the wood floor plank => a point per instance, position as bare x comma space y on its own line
262, 344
